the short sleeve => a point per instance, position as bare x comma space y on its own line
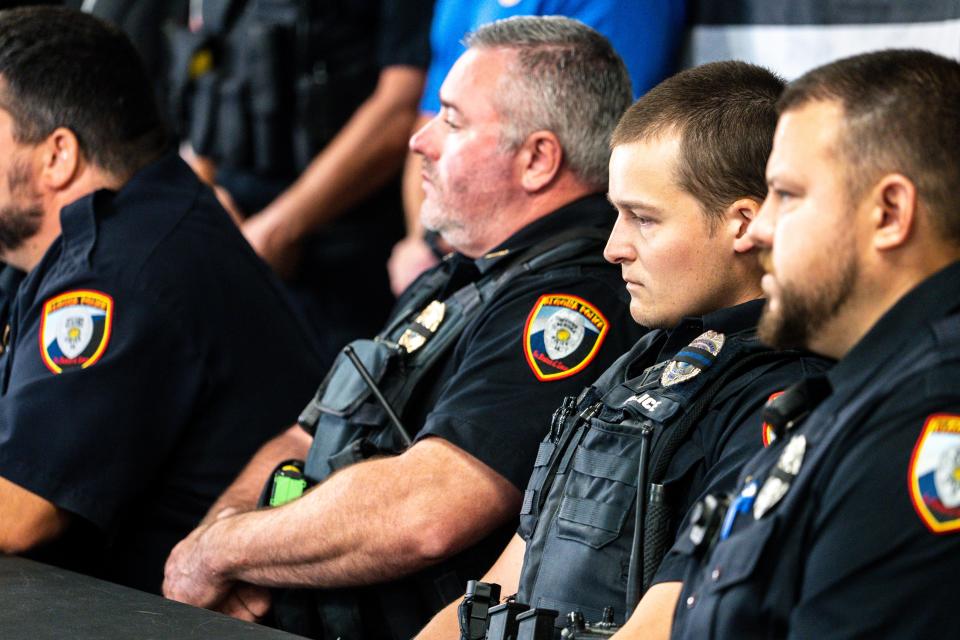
91, 394
497, 405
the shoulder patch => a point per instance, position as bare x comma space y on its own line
767, 434
562, 335
75, 329
934, 473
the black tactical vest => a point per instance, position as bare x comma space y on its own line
350, 423
265, 84
580, 511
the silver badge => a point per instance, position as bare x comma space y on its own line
677, 372
776, 486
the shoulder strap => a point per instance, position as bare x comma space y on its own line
572, 243
655, 544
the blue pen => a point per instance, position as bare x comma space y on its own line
742, 504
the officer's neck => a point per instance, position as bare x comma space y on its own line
88, 179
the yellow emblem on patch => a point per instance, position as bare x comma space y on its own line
75, 329
934, 473
562, 335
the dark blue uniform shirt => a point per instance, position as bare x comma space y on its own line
863, 542
149, 354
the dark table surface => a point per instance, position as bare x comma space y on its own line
38, 602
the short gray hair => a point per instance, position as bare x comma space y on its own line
566, 78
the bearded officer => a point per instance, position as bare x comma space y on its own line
490, 342
848, 525
679, 413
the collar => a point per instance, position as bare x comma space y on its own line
729, 320
78, 220
589, 211
936, 297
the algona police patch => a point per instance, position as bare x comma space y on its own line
75, 329
934, 474
562, 335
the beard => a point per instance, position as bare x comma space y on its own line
19, 223
800, 316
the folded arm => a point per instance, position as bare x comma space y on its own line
374, 521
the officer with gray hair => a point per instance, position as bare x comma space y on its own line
411, 502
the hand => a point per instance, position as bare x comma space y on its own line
248, 602
410, 257
189, 575
269, 238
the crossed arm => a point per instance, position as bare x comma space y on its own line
374, 521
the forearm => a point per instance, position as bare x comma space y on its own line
375, 521
26, 519
362, 157
244, 492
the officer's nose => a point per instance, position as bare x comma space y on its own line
619, 249
423, 140
760, 231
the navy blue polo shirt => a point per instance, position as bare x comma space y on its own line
149, 355
864, 539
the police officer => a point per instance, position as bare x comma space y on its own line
146, 333
679, 414
300, 111
473, 361
847, 526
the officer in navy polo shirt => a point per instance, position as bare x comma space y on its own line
148, 351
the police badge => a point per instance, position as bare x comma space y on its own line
692, 359
75, 329
429, 319
781, 477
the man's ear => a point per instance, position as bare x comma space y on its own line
893, 202
60, 159
540, 157
736, 218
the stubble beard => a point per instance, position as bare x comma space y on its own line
19, 223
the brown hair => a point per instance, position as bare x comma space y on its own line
725, 114
901, 112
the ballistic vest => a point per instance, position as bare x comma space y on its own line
350, 423
264, 85
581, 512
